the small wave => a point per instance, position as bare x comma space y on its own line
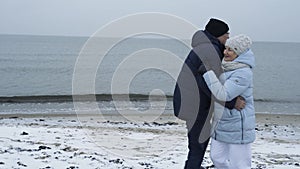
88, 97
108, 97
277, 100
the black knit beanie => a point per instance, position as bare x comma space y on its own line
216, 27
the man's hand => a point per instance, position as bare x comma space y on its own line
240, 103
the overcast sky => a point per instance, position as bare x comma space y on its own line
263, 20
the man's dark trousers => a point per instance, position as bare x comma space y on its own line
196, 149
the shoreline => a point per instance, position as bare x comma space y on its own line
138, 102
113, 141
115, 113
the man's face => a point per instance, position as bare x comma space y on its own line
223, 38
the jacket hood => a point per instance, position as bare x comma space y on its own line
203, 37
247, 58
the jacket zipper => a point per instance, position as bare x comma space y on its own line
215, 128
242, 122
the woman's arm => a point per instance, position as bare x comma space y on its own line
234, 86
203, 86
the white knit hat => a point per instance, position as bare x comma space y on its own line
239, 44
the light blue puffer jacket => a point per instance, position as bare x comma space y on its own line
233, 126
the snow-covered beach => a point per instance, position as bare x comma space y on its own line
111, 142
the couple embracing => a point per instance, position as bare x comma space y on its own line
214, 95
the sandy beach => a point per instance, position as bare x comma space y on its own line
113, 142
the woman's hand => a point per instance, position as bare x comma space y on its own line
202, 70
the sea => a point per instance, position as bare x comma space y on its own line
37, 74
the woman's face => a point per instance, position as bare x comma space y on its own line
229, 54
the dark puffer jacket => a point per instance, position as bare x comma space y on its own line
192, 97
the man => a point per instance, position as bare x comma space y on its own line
192, 98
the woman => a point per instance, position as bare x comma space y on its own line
233, 130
